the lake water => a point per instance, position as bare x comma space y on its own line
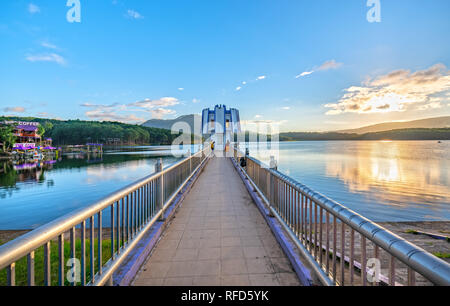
34, 194
383, 181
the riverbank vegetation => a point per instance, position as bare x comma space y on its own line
21, 265
402, 134
7, 137
74, 132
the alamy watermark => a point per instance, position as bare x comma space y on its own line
74, 13
374, 272
374, 14
259, 137
74, 273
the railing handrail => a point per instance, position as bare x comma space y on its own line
16, 249
431, 267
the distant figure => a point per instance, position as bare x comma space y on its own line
212, 146
273, 163
243, 162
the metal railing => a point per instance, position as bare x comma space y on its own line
337, 241
110, 227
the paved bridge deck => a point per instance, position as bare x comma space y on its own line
218, 237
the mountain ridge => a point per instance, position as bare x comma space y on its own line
428, 123
194, 121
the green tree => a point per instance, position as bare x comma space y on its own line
41, 130
7, 137
48, 126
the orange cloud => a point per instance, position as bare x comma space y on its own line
395, 92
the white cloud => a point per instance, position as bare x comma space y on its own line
149, 104
16, 109
115, 112
52, 57
395, 92
329, 65
332, 64
261, 77
134, 14
258, 116
159, 112
195, 100
110, 113
238, 88
158, 108
304, 74
244, 83
48, 45
33, 8
286, 108
105, 115
181, 89
100, 106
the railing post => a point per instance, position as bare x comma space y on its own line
271, 183
160, 189
190, 161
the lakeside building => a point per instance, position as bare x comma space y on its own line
220, 124
27, 133
47, 142
27, 138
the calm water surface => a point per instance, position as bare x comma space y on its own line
382, 180
34, 194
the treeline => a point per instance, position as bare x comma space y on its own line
401, 134
72, 132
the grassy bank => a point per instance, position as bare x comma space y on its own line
21, 265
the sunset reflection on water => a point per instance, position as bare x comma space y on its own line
383, 180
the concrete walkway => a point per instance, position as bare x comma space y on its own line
218, 237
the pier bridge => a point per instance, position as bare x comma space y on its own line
215, 220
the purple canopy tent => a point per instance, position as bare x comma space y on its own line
23, 148
28, 128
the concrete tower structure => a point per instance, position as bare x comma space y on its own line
220, 124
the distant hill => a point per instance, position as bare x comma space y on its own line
168, 124
430, 123
73, 132
398, 134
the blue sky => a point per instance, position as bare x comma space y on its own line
309, 65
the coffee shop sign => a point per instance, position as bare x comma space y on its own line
22, 123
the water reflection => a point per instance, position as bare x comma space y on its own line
28, 172
34, 193
398, 171
383, 180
